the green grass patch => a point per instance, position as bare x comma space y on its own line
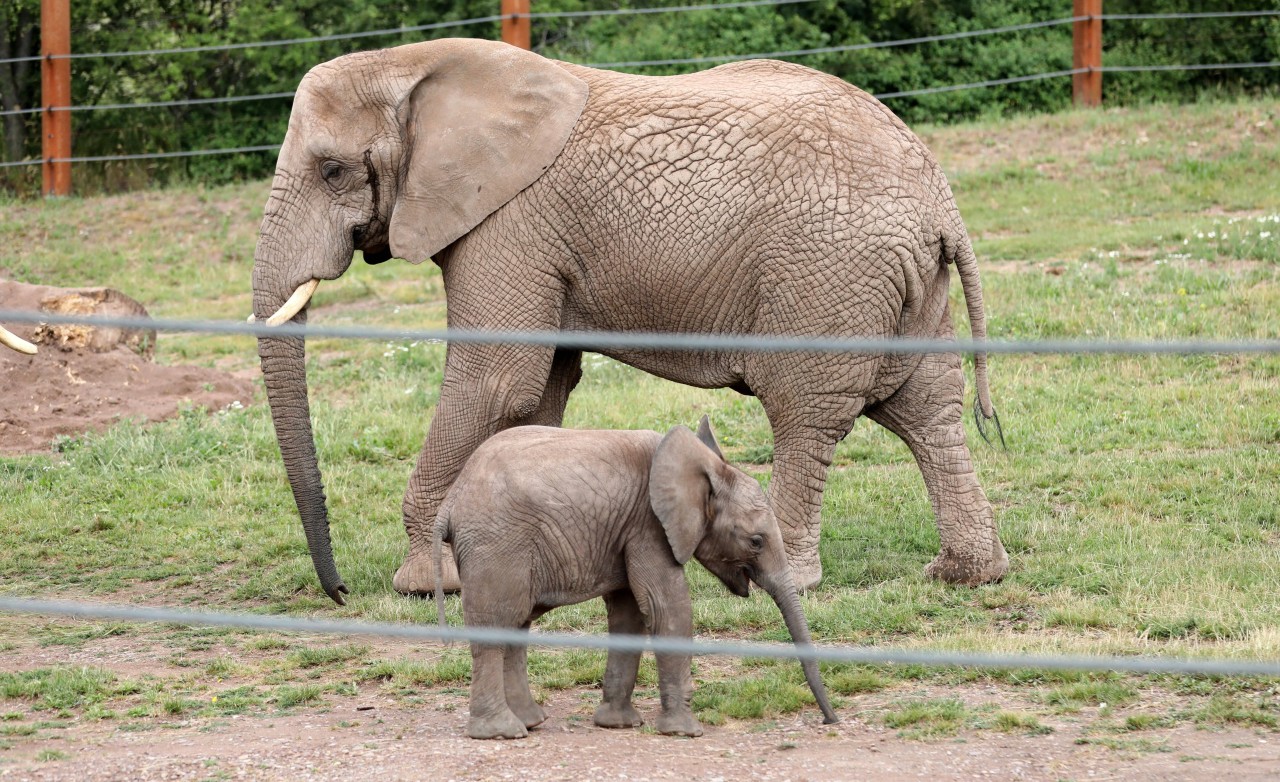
1101, 693
288, 697
1138, 497
925, 719
61, 688
1017, 722
1224, 709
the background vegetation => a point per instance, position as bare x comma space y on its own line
119, 25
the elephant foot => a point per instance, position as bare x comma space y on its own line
503, 725
417, 575
680, 723
609, 715
806, 568
531, 714
969, 571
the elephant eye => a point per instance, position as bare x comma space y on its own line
330, 170
757, 542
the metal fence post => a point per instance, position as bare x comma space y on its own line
55, 92
1086, 88
515, 29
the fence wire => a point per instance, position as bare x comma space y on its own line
602, 340
616, 340
608, 12
406, 29
153, 104
636, 643
143, 156
878, 96
853, 47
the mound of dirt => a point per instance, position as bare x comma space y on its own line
86, 378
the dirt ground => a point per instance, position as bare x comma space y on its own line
68, 389
382, 743
375, 734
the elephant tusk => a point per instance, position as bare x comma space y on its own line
251, 319
11, 340
295, 303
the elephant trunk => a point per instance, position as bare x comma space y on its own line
783, 592
284, 369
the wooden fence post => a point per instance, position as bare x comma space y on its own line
55, 92
515, 29
1086, 88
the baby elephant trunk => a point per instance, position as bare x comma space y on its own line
784, 594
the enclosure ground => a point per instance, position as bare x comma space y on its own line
1138, 498
375, 733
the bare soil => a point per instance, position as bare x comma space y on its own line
85, 382
387, 742
380, 735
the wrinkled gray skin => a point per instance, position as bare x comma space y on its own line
757, 197
543, 517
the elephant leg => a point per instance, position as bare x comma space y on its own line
803, 446
671, 615
516, 683
616, 710
566, 371
491, 717
926, 412
515, 386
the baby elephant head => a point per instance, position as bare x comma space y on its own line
719, 515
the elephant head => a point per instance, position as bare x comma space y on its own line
396, 153
11, 340
720, 516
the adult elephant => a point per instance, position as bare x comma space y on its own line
758, 197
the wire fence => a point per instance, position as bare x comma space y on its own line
621, 340
600, 341
626, 64
703, 342
411, 29
636, 643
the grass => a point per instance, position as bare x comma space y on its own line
1139, 497
928, 718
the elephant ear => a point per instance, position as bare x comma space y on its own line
480, 122
708, 437
683, 480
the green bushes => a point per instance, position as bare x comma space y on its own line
119, 25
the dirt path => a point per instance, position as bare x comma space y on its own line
374, 732
373, 739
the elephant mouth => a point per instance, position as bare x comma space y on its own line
739, 580
377, 255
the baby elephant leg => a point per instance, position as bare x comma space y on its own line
491, 717
675, 688
615, 710
673, 618
516, 684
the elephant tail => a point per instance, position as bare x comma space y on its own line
441, 531
956, 249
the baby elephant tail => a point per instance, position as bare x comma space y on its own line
437, 554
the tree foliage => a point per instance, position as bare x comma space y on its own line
130, 25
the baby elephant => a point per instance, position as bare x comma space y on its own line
543, 517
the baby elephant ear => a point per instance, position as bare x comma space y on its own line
708, 437
681, 482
